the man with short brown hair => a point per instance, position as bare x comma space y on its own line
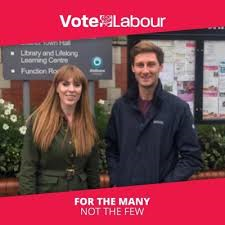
151, 136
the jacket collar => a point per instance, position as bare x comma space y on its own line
132, 94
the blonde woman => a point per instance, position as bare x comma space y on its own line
58, 153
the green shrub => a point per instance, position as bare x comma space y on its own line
212, 140
101, 120
12, 131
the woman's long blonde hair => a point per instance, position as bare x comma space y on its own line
47, 118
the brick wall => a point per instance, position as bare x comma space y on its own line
14, 94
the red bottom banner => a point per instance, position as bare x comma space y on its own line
192, 202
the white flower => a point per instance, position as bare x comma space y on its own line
100, 101
214, 129
9, 106
5, 126
2, 115
2, 101
13, 118
7, 112
23, 130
